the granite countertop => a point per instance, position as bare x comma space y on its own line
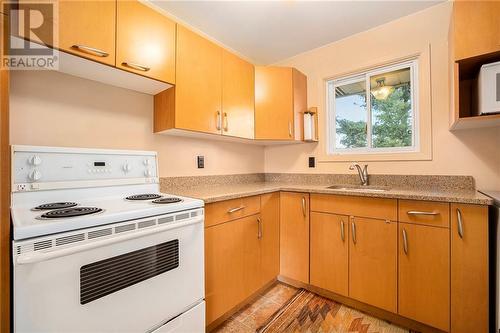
220, 192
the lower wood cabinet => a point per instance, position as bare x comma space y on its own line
330, 252
469, 268
424, 274
241, 255
294, 236
373, 262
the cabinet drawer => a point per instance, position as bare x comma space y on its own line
425, 212
377, 208
223, 211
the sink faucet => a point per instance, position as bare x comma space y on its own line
362, 172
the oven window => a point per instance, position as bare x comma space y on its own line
107, 276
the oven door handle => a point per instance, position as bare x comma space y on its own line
35, 257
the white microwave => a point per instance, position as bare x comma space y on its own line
489, 89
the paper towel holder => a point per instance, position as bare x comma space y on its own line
310, 125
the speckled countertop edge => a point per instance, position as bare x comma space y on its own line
217, 193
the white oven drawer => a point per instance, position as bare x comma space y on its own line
127, 282
191, 321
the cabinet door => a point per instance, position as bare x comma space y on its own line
274, 103
270, 237
224, 267
476, 28
373, 262
237, 96
251, 244
424, 274
145, 41
86, 28
198, 90
469, 268
330, 252
294, 236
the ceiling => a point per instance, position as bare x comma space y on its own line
266, 32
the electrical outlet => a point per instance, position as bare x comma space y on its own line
201, 162
312, 162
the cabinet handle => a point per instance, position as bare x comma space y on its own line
405, 241
417, 212
218, 121
460, 224
225, 122
136, 66
353, 228
290, 129
259, 228
234, 210
304, 207
91, 50
342, 232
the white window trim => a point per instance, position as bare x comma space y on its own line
330, 108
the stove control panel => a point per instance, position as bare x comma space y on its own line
64, 166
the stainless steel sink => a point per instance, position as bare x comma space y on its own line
358, 188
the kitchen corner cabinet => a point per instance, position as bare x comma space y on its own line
241, 250
294, 236
330, 252
373, 262
145, 41
280, 101
469, 268
424, 274
238, 109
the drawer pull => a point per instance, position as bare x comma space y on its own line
136, 66
416, 212
405, 241
259, 228
460, 225
304, 207
342, 232
236, 209
91, 50
353, 228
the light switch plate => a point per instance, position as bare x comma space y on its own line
201, 162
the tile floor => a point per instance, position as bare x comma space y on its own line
255, 314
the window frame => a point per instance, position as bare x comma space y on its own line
366, 75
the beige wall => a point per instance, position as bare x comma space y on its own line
470, 152
49, 108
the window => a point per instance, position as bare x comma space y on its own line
374, 112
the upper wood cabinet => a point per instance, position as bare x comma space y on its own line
475, 28
280, 100
238, 108
195, 103
469, 268
330, 252
87, 29
424, 274
373, 262
145, 41
294, 236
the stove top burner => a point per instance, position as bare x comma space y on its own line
70, 212
167, 200
55, 205
146, 196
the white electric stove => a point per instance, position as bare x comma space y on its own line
98, 248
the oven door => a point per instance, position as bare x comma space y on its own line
128, 281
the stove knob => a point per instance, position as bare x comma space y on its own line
127, 167
147, 173
35, 175
146, 162
35, 160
